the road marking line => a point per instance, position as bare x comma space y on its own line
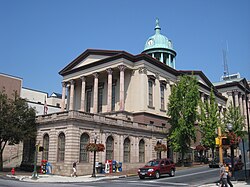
189, 174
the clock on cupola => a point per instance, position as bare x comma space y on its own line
160, 47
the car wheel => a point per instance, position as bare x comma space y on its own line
172, 173
157, 175
142, 177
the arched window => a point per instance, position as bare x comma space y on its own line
142, 151
84, 156
126, 150
110, 148
45, 155
61, 147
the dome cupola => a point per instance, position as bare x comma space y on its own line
160, 47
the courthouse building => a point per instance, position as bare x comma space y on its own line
120, 100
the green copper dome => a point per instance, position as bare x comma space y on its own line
158, 40
160, 47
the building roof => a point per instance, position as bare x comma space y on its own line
111, 56
242, 83
206, 80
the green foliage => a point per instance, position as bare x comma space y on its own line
17, 121
234, 117
209, 121
182, 110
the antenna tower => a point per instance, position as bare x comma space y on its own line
226, 72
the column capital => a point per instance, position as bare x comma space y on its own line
229, 93
122, 67
64, 84
83, 78
236, 92
142, 70
72, 82
96, 74
109, 71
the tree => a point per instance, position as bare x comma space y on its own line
234, 117
17, 122
182, 110
209, 121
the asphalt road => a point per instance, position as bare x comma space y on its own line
190, 177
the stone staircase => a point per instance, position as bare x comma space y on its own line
13, 161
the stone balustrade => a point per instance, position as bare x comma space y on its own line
96, 118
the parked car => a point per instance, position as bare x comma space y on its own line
214, 163
238, 165
157, 167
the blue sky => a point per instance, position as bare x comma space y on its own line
39, 38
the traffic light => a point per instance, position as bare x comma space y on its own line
217, 141
40, 148
225, 141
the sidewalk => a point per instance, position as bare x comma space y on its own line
45, 178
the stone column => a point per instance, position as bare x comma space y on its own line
71, 99
83, 94
244, 108
230, 98
169, 60
122, 69
202, 97
236, 98
162, 58
219, 109
95, 101
63, 96
241, 103
109, 95
174, 62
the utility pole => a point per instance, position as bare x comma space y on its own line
218, 142
220, 145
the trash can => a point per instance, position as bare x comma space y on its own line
99, 167
113, 166
48, 168
43, 166
120, 167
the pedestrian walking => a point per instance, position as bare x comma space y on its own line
223, 175
74, 170
229, 175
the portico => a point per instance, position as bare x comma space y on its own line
105, 78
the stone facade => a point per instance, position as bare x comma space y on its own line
75, 123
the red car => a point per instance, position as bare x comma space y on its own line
157, 167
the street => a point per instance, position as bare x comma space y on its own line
189, 177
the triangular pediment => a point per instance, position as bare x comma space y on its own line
201, 77
87, 57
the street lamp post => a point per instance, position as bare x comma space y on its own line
230, 128
93, 173
35, 174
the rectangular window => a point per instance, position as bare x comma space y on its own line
113, 98
100, 93
150, 93
162, 98
88, 101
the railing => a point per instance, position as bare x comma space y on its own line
97, 118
